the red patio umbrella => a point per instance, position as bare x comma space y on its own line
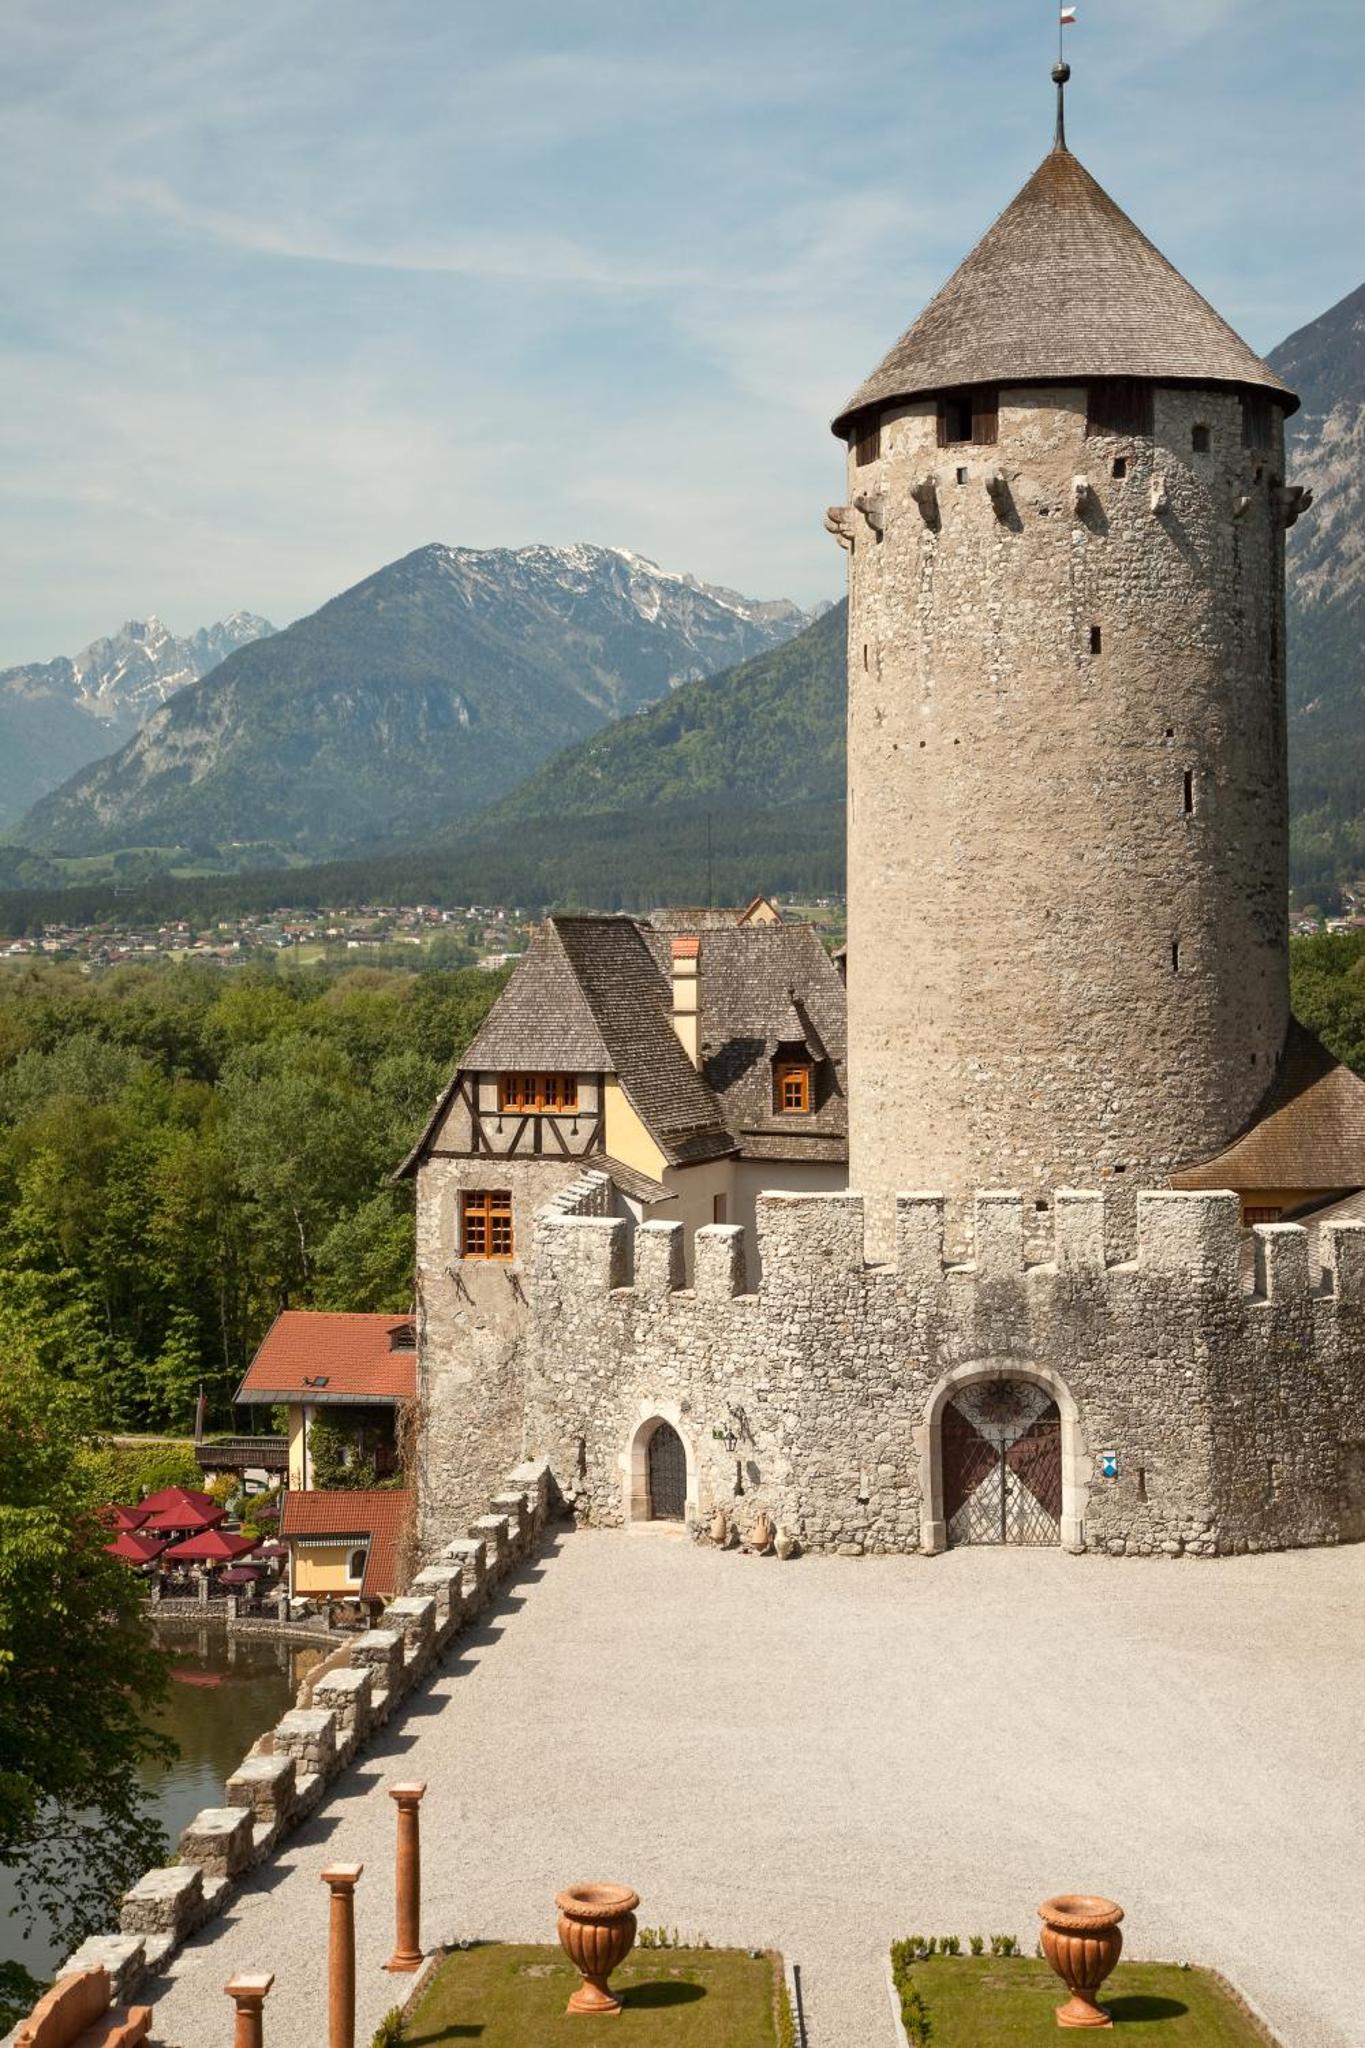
240, 1575
119, 1518
211, 1546
179, 1499
273, 1549
187, 1518
136, 1548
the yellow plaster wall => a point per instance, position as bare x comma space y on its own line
324, 1568
626, 1136
298, 1434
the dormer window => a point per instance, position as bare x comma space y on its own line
403, 1337
538, 1094
793, 1087
972, 415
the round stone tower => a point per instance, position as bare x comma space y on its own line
1067, 806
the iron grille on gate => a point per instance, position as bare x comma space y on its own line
1001, 1446
667, 1475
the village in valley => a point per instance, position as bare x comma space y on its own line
777, 1470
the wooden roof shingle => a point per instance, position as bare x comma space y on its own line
1062, 288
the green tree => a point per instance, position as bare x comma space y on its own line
78, 1670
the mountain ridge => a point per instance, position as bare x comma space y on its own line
57, 716
407, 701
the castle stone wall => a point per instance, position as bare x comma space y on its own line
1021, 860
1237, 1418
472, 1318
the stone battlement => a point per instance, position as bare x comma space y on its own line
816, 1241
1206, 1402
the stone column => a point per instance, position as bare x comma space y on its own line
407, 1954
248, 1995
342, 1879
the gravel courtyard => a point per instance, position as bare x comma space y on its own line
824, 1754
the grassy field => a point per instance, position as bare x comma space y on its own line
505, 1996
984, 2002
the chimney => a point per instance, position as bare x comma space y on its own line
686, 1020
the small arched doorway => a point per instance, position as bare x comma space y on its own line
665, 1475
1001, 1448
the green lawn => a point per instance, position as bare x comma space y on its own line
503, 1996
982, 2002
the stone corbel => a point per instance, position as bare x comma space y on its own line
841, 521
1161, 497
872, 505
1082, 496
998, 491
925, 495
1291, 501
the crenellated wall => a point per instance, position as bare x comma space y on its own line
1235, 1410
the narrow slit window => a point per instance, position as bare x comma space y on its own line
1096, 640
1201, 439
962, 476
1175, 956
1120, 468
1119, 405
1142, 1482
1189, 792
864, 656
867, 444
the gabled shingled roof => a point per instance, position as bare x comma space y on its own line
1063, 287
589, 997
629, 997
760, 988
1308, 1133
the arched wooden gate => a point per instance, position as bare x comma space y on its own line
1001, 1445
666, 1467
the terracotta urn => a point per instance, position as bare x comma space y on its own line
761, 1535
1082, 1941
720, 1528
597, 1933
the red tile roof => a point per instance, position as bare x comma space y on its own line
382, 1515
347, 1357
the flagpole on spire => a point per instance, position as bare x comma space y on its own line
1061, 71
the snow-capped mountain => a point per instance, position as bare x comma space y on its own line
409, 701
137, 669
55, 716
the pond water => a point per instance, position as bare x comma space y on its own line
224, 1691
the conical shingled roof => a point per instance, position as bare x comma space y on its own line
1063, 287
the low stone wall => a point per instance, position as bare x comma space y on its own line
286, 1774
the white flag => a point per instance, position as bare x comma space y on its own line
1068, 16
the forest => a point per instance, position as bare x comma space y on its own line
183, 1153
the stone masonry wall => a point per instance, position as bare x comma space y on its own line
472, 1317
1238, 1419
1022, 860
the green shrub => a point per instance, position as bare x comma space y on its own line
949, 1945
389, 2032
976, 1943
1004, 1944
915, 2015
124, 1472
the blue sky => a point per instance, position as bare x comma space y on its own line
292, 288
